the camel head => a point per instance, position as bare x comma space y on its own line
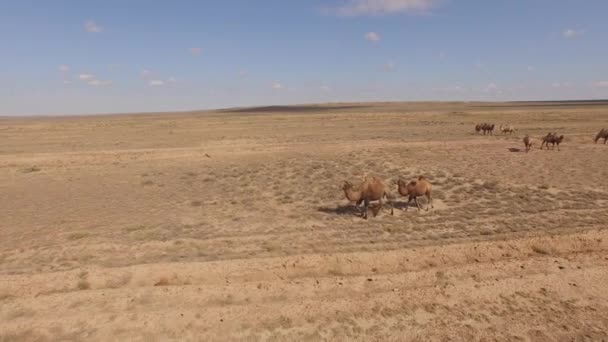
347, 186
599, 135
560, 139
402, 187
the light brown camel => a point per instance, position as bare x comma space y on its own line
371, 188
507, 129
528, 142
602, 134
415, 189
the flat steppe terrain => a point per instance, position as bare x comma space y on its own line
232, 225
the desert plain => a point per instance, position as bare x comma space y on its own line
232, 225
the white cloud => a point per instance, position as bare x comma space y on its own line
491, 88
172, 80
277, 85
156, 83
451, 88
97, 83
601, 84
376, 7
85, 77
372, 36
195, 51
561, 84
92, 27
389, 66
572, 33
325, 88
64, 68
145, 73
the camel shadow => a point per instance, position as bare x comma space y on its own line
348, 209
514, 149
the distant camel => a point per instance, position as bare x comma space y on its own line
603, 134
507, 129
415, 189
552, 139
487, 128
528, 142
370, 189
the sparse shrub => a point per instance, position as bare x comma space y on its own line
31, 169
164, 281
540, 250
77, 236
83, 285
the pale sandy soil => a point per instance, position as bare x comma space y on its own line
232, 226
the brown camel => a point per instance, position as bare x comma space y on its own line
486, 128
602, 134
415, 189
370, 189
552, 139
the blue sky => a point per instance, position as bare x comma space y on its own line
80, 57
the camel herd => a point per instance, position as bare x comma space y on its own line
372, 188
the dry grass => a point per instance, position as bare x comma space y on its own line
130, 212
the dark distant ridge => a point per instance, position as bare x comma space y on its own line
559, 103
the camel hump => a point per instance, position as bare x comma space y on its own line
421, 178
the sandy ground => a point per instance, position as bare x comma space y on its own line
231, 225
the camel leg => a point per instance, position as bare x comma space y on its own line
407, 204
417, 203
390, 203
379, 207
366, 204
429, 199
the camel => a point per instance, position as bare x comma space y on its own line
528, 142
415, 189
507, 129
370, 189
552, 139
602, 134
487, 128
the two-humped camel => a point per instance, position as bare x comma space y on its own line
485, 127
415, 189
370, 189
552, 139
